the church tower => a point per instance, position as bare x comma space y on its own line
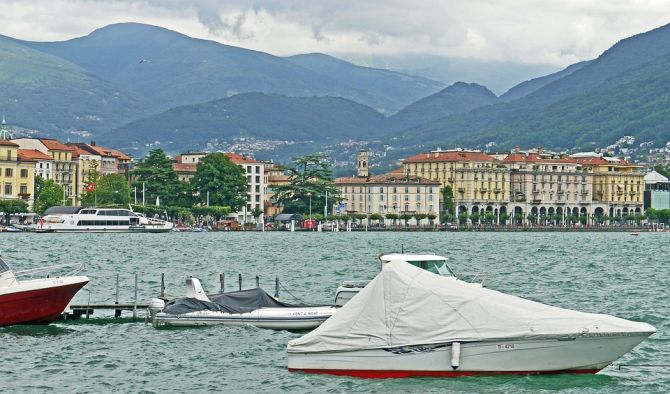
4, 133
363, 164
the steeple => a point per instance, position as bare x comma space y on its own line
363, 163
4, 133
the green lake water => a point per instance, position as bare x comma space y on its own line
612, 273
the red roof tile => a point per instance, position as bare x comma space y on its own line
7, 143
449, 156
239, 159
32, 155
54, 145
184, 167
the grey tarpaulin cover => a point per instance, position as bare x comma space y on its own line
405, 305
232, 302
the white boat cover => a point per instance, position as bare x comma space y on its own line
405, 305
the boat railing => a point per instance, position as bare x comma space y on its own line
473, 277
60, 270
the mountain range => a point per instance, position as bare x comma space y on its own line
135, 86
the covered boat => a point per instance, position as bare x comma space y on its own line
246, 307
411, 322
37, 296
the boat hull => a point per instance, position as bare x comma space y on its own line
280, 319
582, 354
39, 301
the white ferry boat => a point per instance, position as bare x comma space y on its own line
92, 219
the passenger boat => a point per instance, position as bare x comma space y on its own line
411, 322
427, 261
39, 299
247, 307
92, 219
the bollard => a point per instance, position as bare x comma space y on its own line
239, 280
277, 287
117, 312
258, 281
135, 301
222, 279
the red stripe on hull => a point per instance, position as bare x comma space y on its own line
41, 306
379, 374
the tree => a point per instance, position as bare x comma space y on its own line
224, 180
431, 218
160, 180
406, 217
310, 179
256, 213
448, 199
475, 217
503, 216
393, 217
419, 217
47, 194
110, 189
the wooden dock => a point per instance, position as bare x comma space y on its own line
86, 310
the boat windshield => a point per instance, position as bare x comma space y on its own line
3, 266
439, 267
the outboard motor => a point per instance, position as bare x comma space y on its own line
455, 355
156, 305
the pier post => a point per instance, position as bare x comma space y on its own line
239, 280
222, 279
162, 285
117, 312
276, 287
258, 281
135, 300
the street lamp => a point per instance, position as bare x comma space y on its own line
310, 205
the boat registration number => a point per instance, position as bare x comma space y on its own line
506, 346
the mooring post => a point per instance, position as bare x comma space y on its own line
276, 287
222, 279
135, 300
117, 312
258, 281
239, 280
162, 285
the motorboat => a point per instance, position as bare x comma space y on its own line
427, 261
411, 322
41, 297
246, 307
93, 219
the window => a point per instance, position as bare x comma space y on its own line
258, 179
258, 169
24, 173
8, 172
9, 155
8, 189
24, 188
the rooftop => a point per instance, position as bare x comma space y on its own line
32, 155
389, 178
450, 155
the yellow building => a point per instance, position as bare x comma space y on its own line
64, 168
616, 183
480, 182
17, 177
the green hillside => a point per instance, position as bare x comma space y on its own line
170, 69
44, 92
261, 116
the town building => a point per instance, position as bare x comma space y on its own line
275, 177
479, 182
656, 191
391, 193
43, 162
64, 168
618, 186
17, 176
549, 188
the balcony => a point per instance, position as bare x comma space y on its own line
632, 192
497, 190
483, 190
24, 196
461, 190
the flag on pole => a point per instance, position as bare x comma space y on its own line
90, 187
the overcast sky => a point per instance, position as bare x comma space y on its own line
556, 32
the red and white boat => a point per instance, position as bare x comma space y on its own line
410, 322
41, 297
